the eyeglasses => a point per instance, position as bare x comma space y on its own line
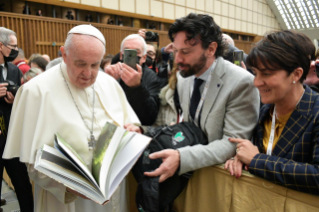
13, 46
150, 53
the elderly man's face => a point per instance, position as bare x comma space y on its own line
137, 45
83, 60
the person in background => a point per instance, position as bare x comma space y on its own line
285, 146
39, 62
16, 170
39, 13
46, 57
312, 79
33, 72
20, 62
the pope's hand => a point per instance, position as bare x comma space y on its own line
3, 89
75, 193
171, 160
130, 76
132, 128
246, 151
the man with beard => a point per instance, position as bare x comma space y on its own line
218, 96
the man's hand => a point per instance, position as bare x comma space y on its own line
130, 76
171, 161
246, 151
169, 48
142, 32
132, 128
10, 98
75, 193
3, 89
114, 70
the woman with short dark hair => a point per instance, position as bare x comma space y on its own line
287, 133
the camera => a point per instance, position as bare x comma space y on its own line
151, 36
12, 87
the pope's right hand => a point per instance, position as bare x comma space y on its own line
3, 89
75, 193
114, 70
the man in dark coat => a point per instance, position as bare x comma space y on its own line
141, 86
10, 80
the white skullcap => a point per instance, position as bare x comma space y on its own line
86, 29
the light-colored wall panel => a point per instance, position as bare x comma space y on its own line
238, 13
190, 3
217, 7
169, 11
225, 0
143, 7
94, 3
244, 3
179, 11
250, 16
73, 1
265, 9
260, 7
224, 9
255, 28
171, 1
157, 8
200, 4
260, 30
180, 2
255, 17
244, 26
231, 11
217, 19
238, 25
260, 19
239, 3
250, 4
249, 28
111, 4
232, 1
231, 24
265, 18
244, 15
224, 23
209, 6
255, 5
188, 11
127, 5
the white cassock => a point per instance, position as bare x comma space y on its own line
43, 107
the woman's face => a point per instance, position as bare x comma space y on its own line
275, 86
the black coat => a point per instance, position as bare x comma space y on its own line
144, 99
14, 75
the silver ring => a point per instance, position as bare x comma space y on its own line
232, 158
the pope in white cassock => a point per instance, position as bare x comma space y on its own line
75, 100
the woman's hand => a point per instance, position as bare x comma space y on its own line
245, 151
234, 165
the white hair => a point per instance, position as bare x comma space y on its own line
228, 40
5, 35
134, 36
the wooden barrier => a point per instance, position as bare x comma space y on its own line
214, 189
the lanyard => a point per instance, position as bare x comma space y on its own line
272, 131
203, 96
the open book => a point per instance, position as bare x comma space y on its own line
115, 153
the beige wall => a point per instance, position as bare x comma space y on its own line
249, 16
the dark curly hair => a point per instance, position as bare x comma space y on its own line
198, 26
285, 50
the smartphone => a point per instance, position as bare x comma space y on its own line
130, 58
238, 56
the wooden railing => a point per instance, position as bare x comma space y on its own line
45, 35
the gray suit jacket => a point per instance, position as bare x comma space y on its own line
231, 109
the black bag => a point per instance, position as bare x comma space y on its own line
152, 196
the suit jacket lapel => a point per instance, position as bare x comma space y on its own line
296, 124
186, 97
213, 90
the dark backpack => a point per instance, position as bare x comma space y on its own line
152, 196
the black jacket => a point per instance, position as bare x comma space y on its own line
144, 99
14, 75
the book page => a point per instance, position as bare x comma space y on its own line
74, 158
100, 149
125, 160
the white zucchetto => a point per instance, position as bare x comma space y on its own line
86, 29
